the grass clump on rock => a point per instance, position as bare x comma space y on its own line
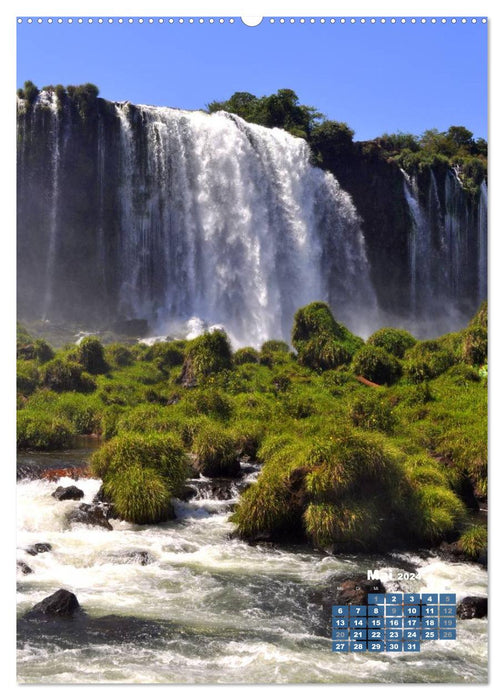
426, 360
64, 375
216, 452
246, 355
206, 355
393, 340
320, 341
91, 355
377, 365
141, 473
40, 430
474, 542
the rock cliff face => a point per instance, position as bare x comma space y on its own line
142, 212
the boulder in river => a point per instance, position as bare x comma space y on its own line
105, 504
24, 568
90, 514
348, 590
59, 604
38, 548
472, 606
68, 493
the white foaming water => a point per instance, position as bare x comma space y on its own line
220, 610
229, 222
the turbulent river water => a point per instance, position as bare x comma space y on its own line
182, 602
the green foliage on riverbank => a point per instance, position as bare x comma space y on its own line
346, 466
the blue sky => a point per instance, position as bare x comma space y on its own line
377, 78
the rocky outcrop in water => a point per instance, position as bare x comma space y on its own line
90, 514
472, 606
68, 493
38, 548
62, 604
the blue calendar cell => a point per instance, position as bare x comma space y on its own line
339, 635
430, 598
376, 598
376, 610
430, 622
447, 610
376, 646
391, 635
340, 622
340, 646
374, 622
411, 622
447, 598
357, 646
340, 610
431, 634
393, 622
358, 622
358, 610
411, 646
393, 610
430, 610
393, 646
412, 610
393, 598
447, 622
412, 599
448, 634
412, 635
376, 634
358, 634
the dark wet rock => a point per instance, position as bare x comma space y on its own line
228, 469
24, 568
249, 468
105, 504
132, 327
38, 548
90, 514
472, 606
216, 489
68, 493
59, 604
188, 493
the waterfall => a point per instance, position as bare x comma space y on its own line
443, 245
197, 215
482, 243
53, 202
131, 211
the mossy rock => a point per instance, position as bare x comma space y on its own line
426, 360
246, 355
320, 341
205, 355
393, 340
91, 355
376, 365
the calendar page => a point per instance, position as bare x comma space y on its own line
251, 349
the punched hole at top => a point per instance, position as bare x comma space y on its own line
252, 21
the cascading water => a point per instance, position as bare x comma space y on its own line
444, 243
197, 215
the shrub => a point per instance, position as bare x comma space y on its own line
475, 345
64, 375
209, 402
140, 495
38, 430
372, 411
320, 341
376, 364
27, 376
394, 341
463, 373
474, 542
169, 354
216, 453
274, 346
91, 356
205, 355
352, 524
119, 355
246, 355
164, 453
427, 360
248, 436
142, 472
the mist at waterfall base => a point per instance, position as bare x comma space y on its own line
174, 216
